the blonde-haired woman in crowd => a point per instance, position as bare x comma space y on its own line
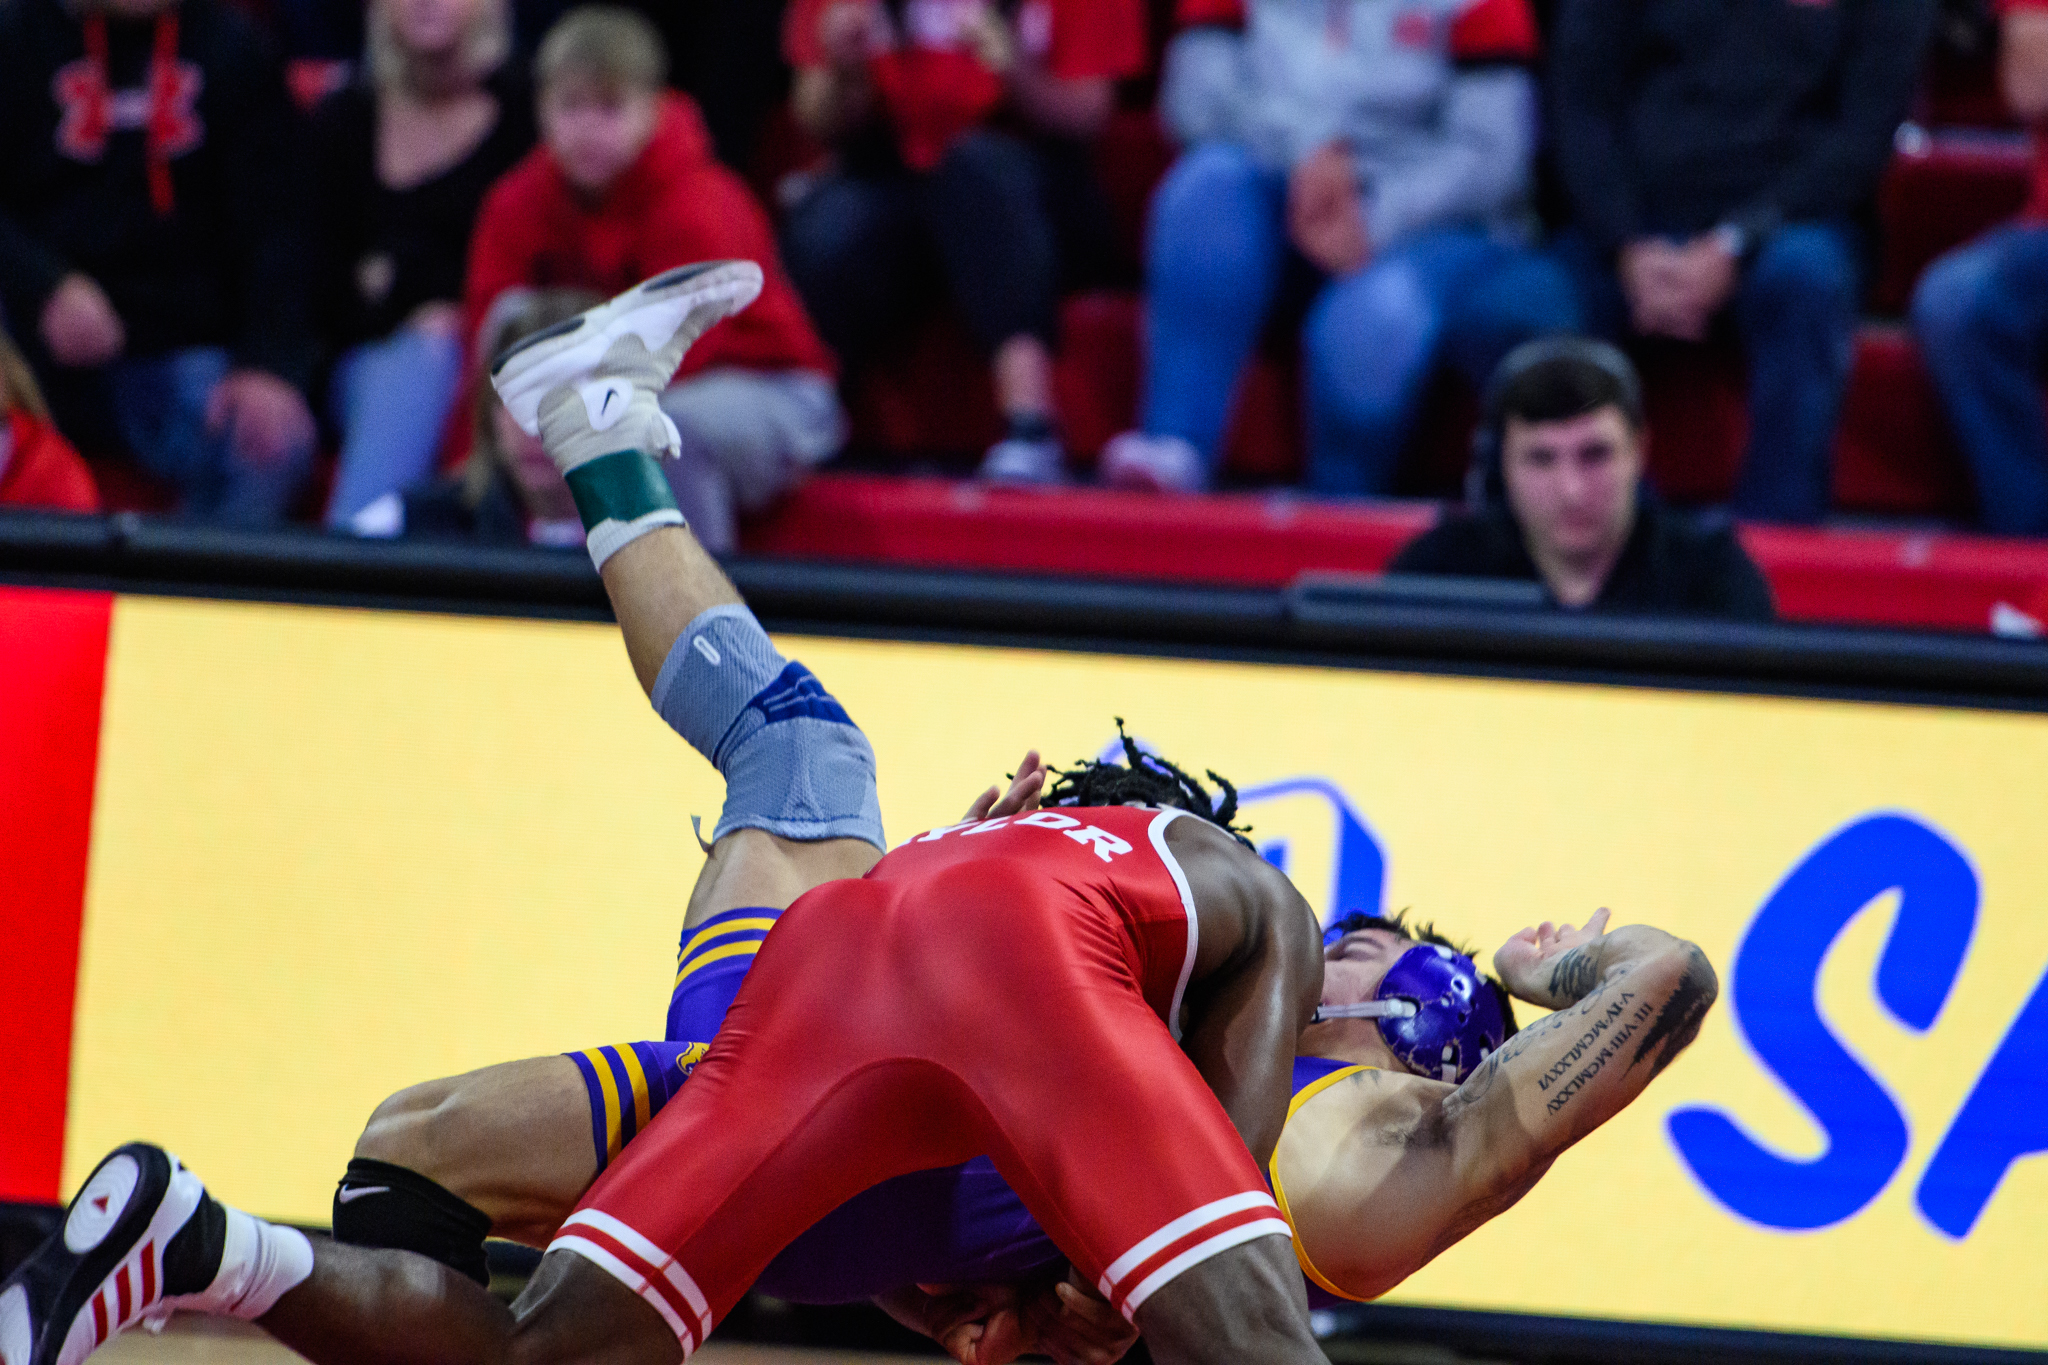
508, 492
406, 155
38, 467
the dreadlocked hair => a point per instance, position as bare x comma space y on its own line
1148, 780
1425, 931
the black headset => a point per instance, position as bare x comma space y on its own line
1483, 484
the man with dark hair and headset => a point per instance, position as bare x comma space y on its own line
1556, 494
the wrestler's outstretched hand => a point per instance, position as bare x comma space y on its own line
977, 1324
1027, 786
1533, 963
1070, 1322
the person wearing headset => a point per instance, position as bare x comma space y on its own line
1556, 494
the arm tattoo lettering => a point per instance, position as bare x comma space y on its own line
1678, 1023
1615, 1026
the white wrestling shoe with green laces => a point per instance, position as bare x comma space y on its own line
590, 389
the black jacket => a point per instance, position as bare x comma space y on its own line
384, 252
227, 265
1673, 116
1673, 563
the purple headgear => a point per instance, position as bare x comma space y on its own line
1436, 1012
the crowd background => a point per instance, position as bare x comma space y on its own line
254, 252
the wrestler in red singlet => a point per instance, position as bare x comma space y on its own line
1011, 987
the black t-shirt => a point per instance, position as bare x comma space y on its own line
384, 251
1673, 563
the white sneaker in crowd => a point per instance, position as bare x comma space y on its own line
1026, 461
1156, 464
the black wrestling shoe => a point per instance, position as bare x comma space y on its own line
103, 1270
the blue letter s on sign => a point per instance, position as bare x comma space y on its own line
1776, 971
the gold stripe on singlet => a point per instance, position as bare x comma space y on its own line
1301, 1097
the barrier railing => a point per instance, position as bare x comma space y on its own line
1447, 627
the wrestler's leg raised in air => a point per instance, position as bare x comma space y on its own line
444, 1164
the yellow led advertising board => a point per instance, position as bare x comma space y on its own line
335, 852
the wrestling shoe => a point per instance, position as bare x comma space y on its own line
588, 387
136, 1235
1154, 464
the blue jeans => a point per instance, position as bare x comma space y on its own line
159, 404
390, 400
1215, 252
1980, 314
1796, 309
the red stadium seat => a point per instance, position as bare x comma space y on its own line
1895, 453
1096, 382
1131, 157
1961, 91
1245, 538
930, 400
1939, 192
1264, 539
1952, 582
126, 486
1699, 418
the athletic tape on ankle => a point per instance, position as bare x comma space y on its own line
621, 497
794, 762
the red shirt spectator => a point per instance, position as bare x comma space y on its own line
934, 86
673, 206
38, 467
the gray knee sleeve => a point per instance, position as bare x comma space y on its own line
795, 764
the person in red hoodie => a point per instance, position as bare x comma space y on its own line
38, 467
624, 186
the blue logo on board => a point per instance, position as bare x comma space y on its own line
1774, 982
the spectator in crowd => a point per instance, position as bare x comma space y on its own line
1717, 157
507, 492
624, 187
405, 157
1981, 314
38, 467
727, 58
152, 242
1387, 145
1559, 498
962, 132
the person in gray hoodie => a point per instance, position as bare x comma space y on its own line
1382, 148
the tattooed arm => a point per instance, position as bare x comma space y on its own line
1626, 1002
